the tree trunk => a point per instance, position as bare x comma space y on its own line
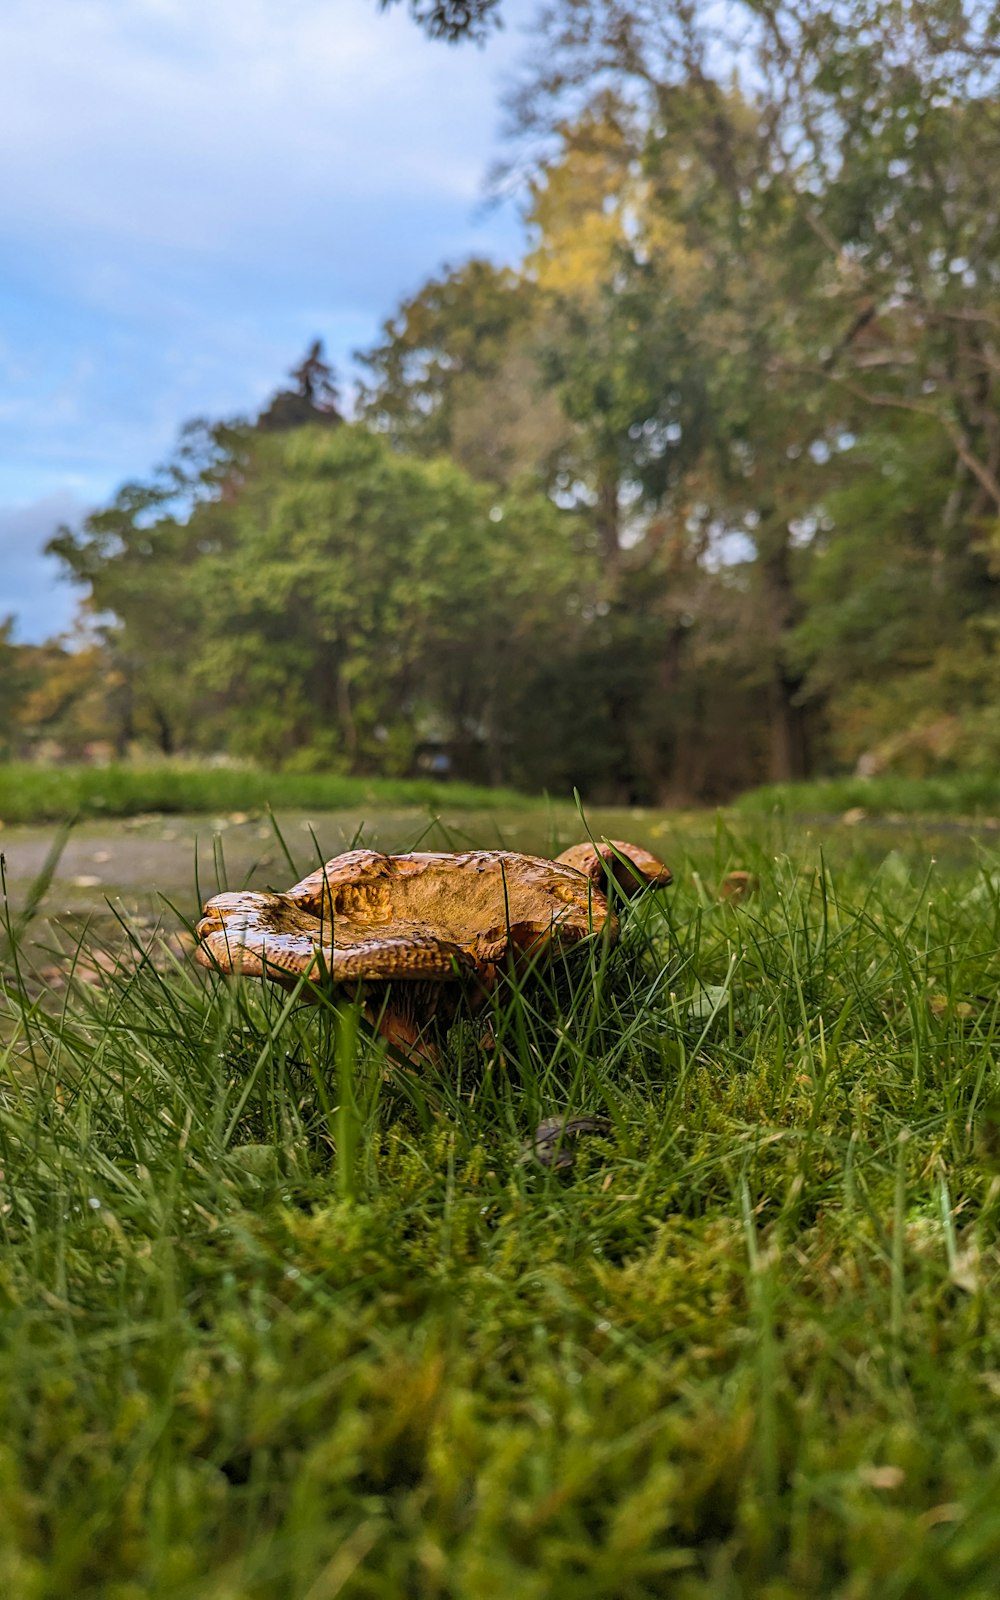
123, 701
495, 765
607, 516
789, 752
164, 731
345, 713
790, 758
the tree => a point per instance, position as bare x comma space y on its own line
458, 371
73, 699
670, 315
364, 595
15, 682
313, 400
453, 20
899, 629
621, 376
141, 557
137, 559
327, 601
848, 256
872, 144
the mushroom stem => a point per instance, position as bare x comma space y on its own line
402, 1035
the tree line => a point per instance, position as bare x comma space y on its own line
704, 490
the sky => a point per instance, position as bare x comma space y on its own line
191, 193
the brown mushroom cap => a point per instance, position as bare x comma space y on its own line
417, 922
423, 915
738, 885
632, 868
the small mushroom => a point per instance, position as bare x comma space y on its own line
413, 931
738, 885
631, 867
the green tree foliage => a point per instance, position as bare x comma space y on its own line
365, 597
326, 601
457, 371
137, 557
15, 681
835, 202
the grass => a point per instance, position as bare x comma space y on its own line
963, 794
280, 1322
35, 793
31, 793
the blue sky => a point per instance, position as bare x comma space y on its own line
192, 192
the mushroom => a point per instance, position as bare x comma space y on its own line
738, 885
630, 866
413, 931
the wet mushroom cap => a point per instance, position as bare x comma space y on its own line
268, 935
425, 915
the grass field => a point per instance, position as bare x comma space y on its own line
35, 793
32, 793
282, 1322
964, 794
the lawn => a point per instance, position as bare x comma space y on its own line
964, 794
282, 1321
31, 792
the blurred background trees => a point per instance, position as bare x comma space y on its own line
453, 20
704, 490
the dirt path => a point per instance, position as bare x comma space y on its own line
169, 856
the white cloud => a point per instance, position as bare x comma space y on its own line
183, 125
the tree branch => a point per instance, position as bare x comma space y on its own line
453, 20
957, 438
